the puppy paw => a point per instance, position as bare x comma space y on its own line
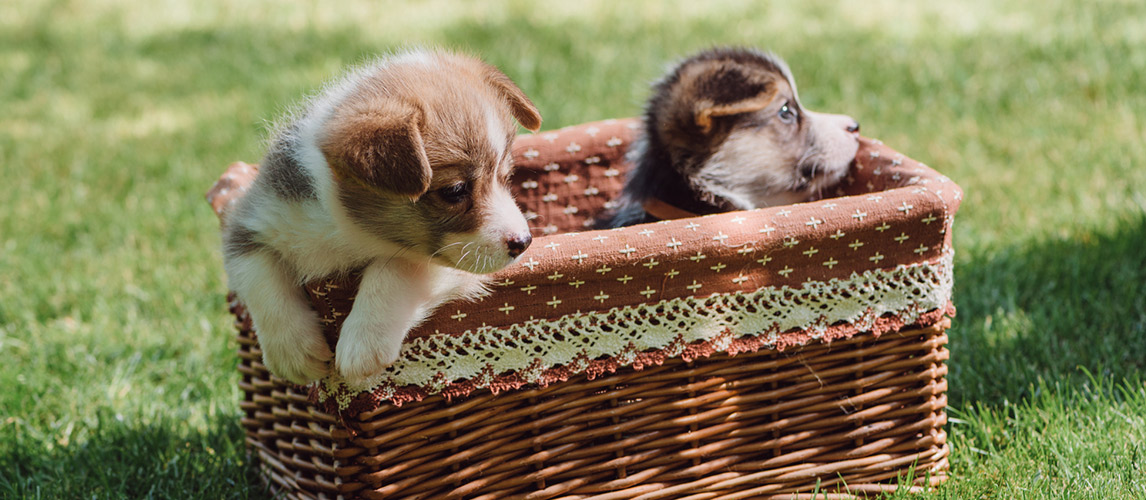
364, 351
297, 352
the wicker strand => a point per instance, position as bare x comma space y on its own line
846, 419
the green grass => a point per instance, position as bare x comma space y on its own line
118, 365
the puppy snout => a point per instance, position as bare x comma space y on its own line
847, 123
844, 122
517, 243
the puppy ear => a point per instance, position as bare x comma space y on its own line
523, 109
380, 148
707, 111
731, 90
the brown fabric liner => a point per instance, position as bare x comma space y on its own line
567, 176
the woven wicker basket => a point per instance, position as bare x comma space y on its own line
765, 354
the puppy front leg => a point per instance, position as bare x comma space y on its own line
288, 329
391, 300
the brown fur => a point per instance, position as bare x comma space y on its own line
380, 127
399, 169
379, 145
714, 140
406, 134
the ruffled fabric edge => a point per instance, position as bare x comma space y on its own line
551, 350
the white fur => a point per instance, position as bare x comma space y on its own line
493, 126
483, 251
762, 183
289, 332
394, 297
316, 238
743, 172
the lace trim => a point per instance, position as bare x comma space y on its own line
546, 350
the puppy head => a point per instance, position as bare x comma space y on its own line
420, 154
732, 124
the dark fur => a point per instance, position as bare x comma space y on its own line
676, 141
239, 240
285, 176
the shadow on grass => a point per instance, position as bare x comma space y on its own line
1060, 310
123, 459
1031, 313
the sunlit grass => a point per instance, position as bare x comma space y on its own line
115, 116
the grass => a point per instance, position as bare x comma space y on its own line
118, 375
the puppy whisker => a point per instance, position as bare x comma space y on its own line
443, 249
430, 258
400, 251
462, 259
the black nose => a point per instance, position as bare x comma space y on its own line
518, 243
854, 127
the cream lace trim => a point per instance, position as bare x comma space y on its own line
528, 349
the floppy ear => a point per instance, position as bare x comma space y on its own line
379, 148
706, 111
730, 90
523, 109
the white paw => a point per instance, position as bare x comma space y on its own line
296, 351
364, 350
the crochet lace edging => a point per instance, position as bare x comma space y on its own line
543, 351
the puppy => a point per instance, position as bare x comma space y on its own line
400, 168
724, 130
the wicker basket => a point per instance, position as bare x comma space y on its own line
767, 354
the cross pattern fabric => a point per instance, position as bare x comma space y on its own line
874, 258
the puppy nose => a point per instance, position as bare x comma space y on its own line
518, 243
853, 127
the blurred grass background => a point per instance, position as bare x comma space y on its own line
118, 374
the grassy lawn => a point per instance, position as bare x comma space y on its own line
118, 374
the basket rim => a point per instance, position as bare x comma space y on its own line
892, 194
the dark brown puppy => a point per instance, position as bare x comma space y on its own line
725, 130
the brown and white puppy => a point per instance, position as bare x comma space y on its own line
401, 169
724, 130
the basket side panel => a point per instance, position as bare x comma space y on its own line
294, 444
850, 416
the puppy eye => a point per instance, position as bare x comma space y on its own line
787, 114
455, 193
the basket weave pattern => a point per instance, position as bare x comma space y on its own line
740, 355
858, 412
